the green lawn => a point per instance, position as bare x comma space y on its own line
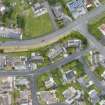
94, 24
35, 27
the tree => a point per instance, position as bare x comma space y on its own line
20, 22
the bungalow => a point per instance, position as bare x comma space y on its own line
54, 52
50, 83
69, 76
71, 95
10, 33
39, 9
37, 58
57, 11
97, 58
74, 43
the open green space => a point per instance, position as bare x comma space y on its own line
94, 24
22, 16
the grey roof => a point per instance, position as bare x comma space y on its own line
70, 74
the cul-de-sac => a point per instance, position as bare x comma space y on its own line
52, 52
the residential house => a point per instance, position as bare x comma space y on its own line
57, 11
69, 76
37, 58
71, 95
39, 9
54, 52
10, 33
77, 8
74, 43
97, 58
50, 83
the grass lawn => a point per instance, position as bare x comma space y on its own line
35, 27
94, 24
98, 71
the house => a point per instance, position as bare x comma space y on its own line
69, 76
57, 11
50, 83
97, 58
49, 97
74, 43
102, 29
71, 95
54, 52
39, 9
94, 96
37, 58
10, 33
77, 8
